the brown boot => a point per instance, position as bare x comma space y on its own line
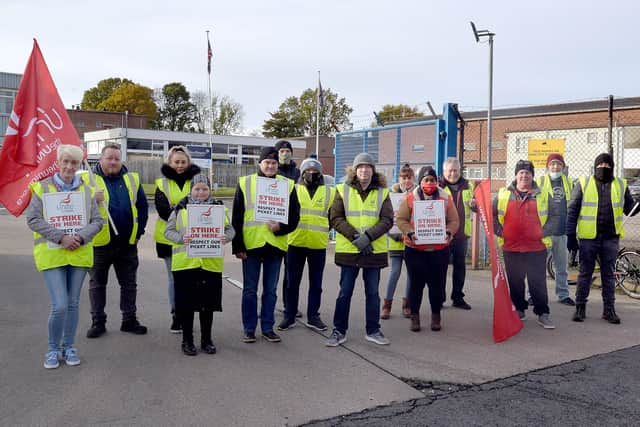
415, 323
435, 322
406, 310
386, 309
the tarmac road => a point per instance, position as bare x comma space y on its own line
145, 380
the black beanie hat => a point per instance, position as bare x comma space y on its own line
603, 158
524, 164
426, 171
283, 144
268, 153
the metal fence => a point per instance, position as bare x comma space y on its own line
225, 175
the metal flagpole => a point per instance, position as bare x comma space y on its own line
210, 162
318, 118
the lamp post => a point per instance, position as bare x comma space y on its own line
480, 34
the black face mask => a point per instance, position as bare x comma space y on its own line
312, 178
604, 174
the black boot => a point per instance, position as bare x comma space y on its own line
133, 326
609, 314
188, 348
97, 329
581, 313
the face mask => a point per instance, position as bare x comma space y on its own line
284, 158
311, 178
555, 175
604, 174
428, 187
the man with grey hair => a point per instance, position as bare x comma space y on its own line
461, 191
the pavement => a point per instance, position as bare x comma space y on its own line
145, 380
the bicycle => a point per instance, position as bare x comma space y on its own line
627, 270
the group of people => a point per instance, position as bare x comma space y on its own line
530, 217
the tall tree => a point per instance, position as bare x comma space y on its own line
94, 97
227, 114
176, 111
398, 112
296, 116
134, 98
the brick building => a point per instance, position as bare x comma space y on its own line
90, 121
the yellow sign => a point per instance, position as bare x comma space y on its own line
539, 149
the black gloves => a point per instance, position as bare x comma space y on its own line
572, 242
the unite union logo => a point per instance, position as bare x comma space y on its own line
205, 216
65, 204
273, 188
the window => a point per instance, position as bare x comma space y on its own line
470, 146
498, 172
521, 144
497, 145
592, 138
475, 173
98, 124
80, 123
5, 105
417, 148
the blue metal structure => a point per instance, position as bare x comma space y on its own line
350, 143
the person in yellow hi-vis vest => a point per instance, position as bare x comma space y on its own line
174, 185
361, 214
260, 244
596, 210
308, 243
520, 222
64, 267
198, 281
119, 192
461, 191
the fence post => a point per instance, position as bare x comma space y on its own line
396, 172
611, 125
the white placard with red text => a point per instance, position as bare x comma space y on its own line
272, 200
65, 211
429, 222
205, 226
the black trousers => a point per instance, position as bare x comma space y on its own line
529, 265
124, 258
458, 249
606, 249
430, 268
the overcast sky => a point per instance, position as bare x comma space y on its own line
370, 52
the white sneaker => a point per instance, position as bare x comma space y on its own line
378, 338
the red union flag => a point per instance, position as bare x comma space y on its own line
505, 319
38, 124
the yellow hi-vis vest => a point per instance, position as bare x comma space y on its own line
361, 215
394, 245
179, 259
542, 205
174, 194
544, 182
467, 195
589, 210
47, 258
256, 234
313, 228
132, 182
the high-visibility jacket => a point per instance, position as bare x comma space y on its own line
467, 195
544, 182
174, 194
394, 245
132, 182
179, 259
542, 206
313, 228
256, 234
47, 258
361, 215
588, 216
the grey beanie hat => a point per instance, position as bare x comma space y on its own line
200, 178
310, 164
363, 159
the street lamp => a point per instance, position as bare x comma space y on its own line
480, 34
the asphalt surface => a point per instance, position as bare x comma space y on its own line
145, 380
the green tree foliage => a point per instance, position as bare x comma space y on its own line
398, 112
296, 116
175, 110
120, 94
227, 114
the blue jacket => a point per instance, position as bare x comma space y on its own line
120, 205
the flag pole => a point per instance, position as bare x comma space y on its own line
318, 118
209, 55
92, 182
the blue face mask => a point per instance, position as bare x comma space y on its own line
555, 175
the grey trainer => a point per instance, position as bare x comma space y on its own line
378, 338
545, 321
336, 339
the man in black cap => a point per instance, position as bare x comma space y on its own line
520, 222
595, 216
260, 245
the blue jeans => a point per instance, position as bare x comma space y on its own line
171, 288
64, 285
559, 253
394, 275
296, 257
348, 276
250, 278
